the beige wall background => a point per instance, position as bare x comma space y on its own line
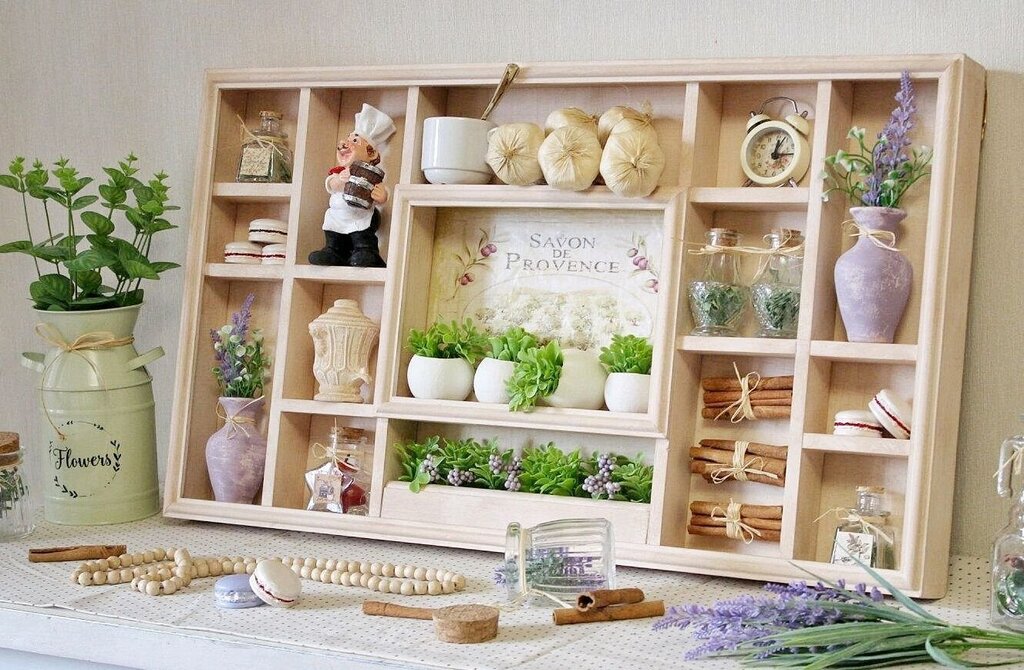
93, 79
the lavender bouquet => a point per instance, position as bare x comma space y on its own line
881, 175
827, 625
242, 365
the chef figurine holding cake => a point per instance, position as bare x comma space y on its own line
357, 191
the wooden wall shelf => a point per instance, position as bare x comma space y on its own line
700, 110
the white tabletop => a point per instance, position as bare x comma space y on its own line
42, 612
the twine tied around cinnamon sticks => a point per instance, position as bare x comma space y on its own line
98, 340
848, 515
720, 460
883, 239
747, 397
737, 521
741, 408
734, 527
740, 466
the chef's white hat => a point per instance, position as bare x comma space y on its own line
374, 125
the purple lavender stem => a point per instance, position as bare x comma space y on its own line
889, 153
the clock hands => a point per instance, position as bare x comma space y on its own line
775, 151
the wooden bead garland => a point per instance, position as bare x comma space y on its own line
165, 571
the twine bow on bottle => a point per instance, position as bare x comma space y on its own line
741, 467
268, 143
95, 341
742, 409
851, 517
763, 254
734, 526
1014, 461
323, 452
234, 422
883, 239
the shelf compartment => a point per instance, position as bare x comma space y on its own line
747, 199
547, 418
836, 385
854, 444
864, 352
244, 271
736, 346
229, 222
350, 409
249, 192
246, 104
340, 275
482, 509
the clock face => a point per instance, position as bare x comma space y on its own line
770, 153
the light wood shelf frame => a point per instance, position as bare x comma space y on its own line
700, 107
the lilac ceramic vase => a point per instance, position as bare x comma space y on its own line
236, 454
873, 284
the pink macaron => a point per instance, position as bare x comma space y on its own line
892, 412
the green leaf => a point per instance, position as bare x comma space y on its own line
163, 266
98, 223
22, 246
139, 269
129, 298
52, 253
51, 288
80, 184
84, 201
10, 181
152, 207
158, 225
92, 302
135, 218
88, 281
113, 193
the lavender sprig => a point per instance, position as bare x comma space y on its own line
242, 364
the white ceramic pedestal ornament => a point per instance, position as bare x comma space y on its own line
343, 339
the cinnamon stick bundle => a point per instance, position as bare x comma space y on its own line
641, 610
705, 507
768, 464
759, 413
753, 403
753, 522
733, 384
714, 397
720, 531
756, 448
706, 469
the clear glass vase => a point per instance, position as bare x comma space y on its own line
718, 299
776, 293
553, 562
1008, 549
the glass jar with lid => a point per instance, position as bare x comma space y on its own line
718, 298
776, 291
15, 511
1008, 548
265, 155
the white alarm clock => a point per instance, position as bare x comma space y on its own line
776, 152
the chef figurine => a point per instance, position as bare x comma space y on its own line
357, 191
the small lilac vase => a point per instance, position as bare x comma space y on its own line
236, 454
873, 284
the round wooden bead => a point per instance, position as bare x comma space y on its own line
330, 564
182, 555
396, 585
407, 588
297, 569
169, 587
148, 556
430, 575
364, 579
183, 571
304, 571
347, 579
126, 559
250, 568
460, 582
152, 588
373, 582
102, 564
85, 579
321, 563
388, 570
138, 559
375, 568
448, 587
399, 570
325, 576
114, 562
434, 588
335, 577
314, 574
310, 562
126, 574
99, 578
420, 588
226, 566
159, 554
202, 569
114, 577
238, 568
419, 573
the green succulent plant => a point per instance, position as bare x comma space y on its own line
510, 344
449, 340
536, 376
628, 353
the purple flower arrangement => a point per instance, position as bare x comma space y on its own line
242, 364
879, 176
827, 625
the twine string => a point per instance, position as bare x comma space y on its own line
852, 517
322, 452
234, 422
94, 341
883, 239
741, 467
1014, 461
742, 409
763, 254
266, 142
734, 526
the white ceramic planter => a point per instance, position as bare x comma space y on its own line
627, 392
440, 378
490, 379
455, 150
582, 383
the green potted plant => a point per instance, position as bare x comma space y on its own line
873, 279
87, 293
628, 362
496, 368
444, 354
569, 378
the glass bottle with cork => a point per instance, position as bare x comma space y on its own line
342, 484
265, 155
1008, 548
776, 292
15, 512
718, 298
865, 533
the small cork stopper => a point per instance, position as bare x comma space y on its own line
723, 237
466, 624
9, 442
870, 489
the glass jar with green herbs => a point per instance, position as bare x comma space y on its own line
718, 299
776, 292
15, 513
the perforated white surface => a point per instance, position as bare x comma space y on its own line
329, 617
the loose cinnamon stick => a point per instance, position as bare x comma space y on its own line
707, 470
604, 597
706, 507
753, 522
79, 553
781, 402
772, 465
733, 384
641, 610
733, 396
716, 531
756, 448
759, 413
377, 608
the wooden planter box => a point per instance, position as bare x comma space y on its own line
701, 108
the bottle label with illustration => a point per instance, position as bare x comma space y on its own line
256, 161
849, 545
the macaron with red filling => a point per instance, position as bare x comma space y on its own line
892, 412
857, 422
275, 584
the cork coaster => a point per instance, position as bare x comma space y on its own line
466, 624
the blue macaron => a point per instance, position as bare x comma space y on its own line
233, 593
